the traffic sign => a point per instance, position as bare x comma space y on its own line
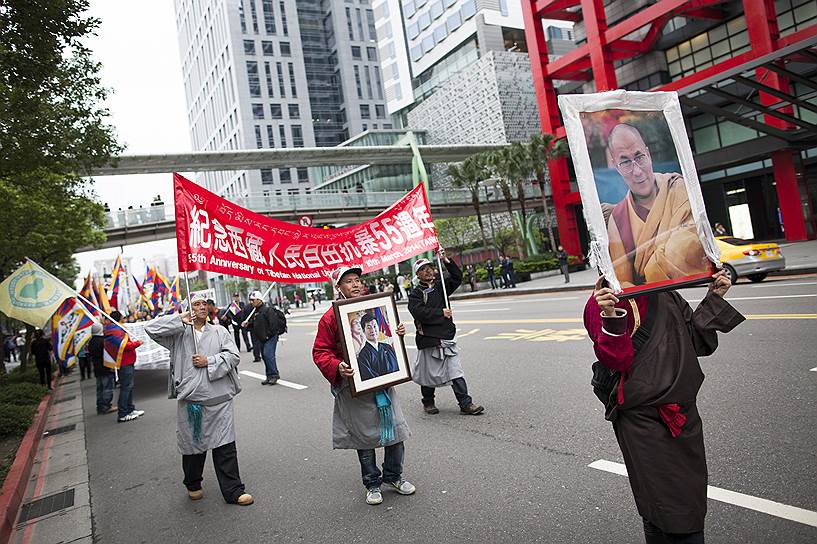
305, 221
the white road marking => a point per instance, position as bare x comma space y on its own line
469, 333
514, 299
481, 310
411, 346
280, 382
760, 298
777, 509
813, 369
785, 284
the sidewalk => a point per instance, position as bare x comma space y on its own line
57, 504
801, 258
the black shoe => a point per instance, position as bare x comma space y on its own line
273, 380
430, 409
472, 410
249, 350
265, 382
256, 360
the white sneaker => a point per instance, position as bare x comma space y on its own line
374, 496
137, 413
129, 417
404, 487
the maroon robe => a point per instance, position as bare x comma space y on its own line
668, 475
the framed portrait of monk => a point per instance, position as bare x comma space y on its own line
640, 190
371, 345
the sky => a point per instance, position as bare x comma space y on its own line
137, 46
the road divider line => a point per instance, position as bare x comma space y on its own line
285, 383
785, 284
458, 311
730, 299
765, 506
813, 369
579, 320
469, 333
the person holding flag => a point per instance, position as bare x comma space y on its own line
127, 411
438, 356
105, 377
204, 379
41, 348
370, 420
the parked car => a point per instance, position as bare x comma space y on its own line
746, 258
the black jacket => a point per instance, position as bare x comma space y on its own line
96, 347
264, 323
41, 349
426, 307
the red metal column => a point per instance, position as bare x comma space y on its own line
595, 24
761, 23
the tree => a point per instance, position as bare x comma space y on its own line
543, 148
504, 165
456, 232
469, 174
52, 132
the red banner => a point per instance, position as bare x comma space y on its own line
217, 235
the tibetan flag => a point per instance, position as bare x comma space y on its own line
175, 301
115, 341
116, 283
88, 292
147, 283
71, 329
160, 288
32, 295
102, 298
145, 300
382, 322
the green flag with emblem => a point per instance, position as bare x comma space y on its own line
32, 295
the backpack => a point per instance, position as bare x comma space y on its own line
280, 321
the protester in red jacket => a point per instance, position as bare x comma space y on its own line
127, 411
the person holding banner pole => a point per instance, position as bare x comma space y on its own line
438, 356
205, 380
246, 320
266, 326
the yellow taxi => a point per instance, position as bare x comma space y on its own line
746, 258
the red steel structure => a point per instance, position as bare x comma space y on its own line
605, 44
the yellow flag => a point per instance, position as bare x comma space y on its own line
31, 294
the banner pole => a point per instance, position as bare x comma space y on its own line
263, 297
442, 280
190, 310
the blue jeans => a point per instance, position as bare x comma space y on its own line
392, 465
125, 403
104, 392
268, 354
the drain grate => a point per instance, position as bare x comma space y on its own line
46, 505
60, 430
65, 399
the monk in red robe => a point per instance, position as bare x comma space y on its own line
653, 343
651, 231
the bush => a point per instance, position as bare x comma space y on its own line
29, 375
22, 393
15, 419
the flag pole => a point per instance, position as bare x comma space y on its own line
263, 297
190, 309
442, 280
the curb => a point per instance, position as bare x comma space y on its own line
794, 271
16, 483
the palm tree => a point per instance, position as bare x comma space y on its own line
468, 174
543, 148
501, 163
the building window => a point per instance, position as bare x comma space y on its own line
252, 79
357, 81
285, 49
297, 136
370, 24
270, 136
303, 174
254, 16
259, 142
356, 52
371, 53
365, 127
708, 48
267, 49
359, 24
268, 7
428, 44
258, 111
349, 24
365, 113
424, 20
380, 111
249, 47
793, 15
368, 81
266, 176
285, 174
275, 111
268, 76
453, 22
284, 27
416, 53
282, 132
387, 125
469, 9
292, 85
294, 111
377, 83
437, 9
408, 8
440, 33
391, 50
241, 17
395, 71
281, 84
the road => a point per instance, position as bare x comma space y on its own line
518, 473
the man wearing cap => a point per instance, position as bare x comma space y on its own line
204, 379
265, 328
438, 356
369, 420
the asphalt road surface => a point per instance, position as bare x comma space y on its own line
518, 473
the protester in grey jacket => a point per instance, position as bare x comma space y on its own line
204, 379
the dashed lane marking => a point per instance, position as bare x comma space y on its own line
813, 369
785, 284
730, 299
458, 311
469, 333
777, 509
285, 383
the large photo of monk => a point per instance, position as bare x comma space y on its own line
651, 231
375, 354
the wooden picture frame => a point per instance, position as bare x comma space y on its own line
375, 351
640, 191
